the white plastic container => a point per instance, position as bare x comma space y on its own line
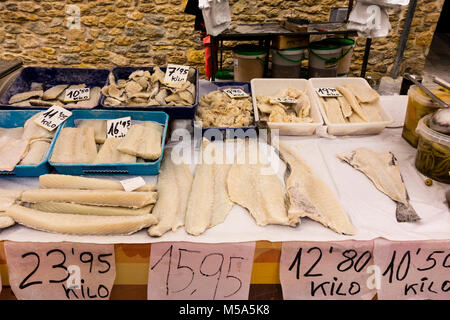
286, 63
348, 128
270, 87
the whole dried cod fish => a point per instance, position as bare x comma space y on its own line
381, 168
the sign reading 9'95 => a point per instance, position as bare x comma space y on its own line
60, 271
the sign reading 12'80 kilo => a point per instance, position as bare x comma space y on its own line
60, 271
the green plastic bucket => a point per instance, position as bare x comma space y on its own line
345, 61
323, 59
286, 63
248, 62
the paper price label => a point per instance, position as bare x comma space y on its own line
77, 94
191, 271
413, 269
327, 270
328, 92
283, 100
132, 184
176, 73
235, 93
52, 117
118, 128
60, 271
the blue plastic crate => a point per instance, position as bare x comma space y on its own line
17, 118
174, 112
51, 76
147, 168
207, 86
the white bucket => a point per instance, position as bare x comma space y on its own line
323, 59
286, 63
248, 62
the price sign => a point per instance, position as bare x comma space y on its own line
328, 92
60, 271
327, 270
284, 100
235, 93
176, 73
191, 271
52, 117
132, 184
77, 94
118, 128
413, 269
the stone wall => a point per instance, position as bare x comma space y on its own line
155, 32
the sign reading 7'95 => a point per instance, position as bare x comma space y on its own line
192, 271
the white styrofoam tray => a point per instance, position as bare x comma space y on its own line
270, 87
340, 129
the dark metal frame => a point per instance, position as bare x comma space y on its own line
265, 38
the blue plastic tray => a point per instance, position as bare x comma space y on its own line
207, 87
51, 77
17, 118
174, 112
147, 168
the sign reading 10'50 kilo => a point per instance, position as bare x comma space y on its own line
60, 271
77, 94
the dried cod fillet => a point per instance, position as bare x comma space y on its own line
111, 198
108, 153
75, 145
33, 131
208, 203
371, 110
142, 141
54, 91
346, 108
174, 186
11, 152
354, 118
6, 221
25, 96
363, 94
99, 126
381, 168
15, 133
75, 208
310, 197
262, 194
8, 197
37, 152
348, 95
62, 181
79, 224
333, 110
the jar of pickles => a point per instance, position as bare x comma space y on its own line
419, 105
433, 152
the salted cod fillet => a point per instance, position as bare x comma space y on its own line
208, 203
174, 186
333, 110
350, 97
142, 141
93, 197
362, 93
263, 195
32, 131
309, 196
381, 168
75, 145
108, 153
99, 126
79, 224
5, 221
8, 197
12, 151
62, 181
75, 208
37, 152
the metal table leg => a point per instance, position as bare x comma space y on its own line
366, 57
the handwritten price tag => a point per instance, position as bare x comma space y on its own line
328, 92
60, 271
132, 184
413, 269
191, 271
52, 118
235, 93
284, 100
118, 128
326, 270
176, 73
77, 94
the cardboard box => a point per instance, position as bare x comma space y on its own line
289, 42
